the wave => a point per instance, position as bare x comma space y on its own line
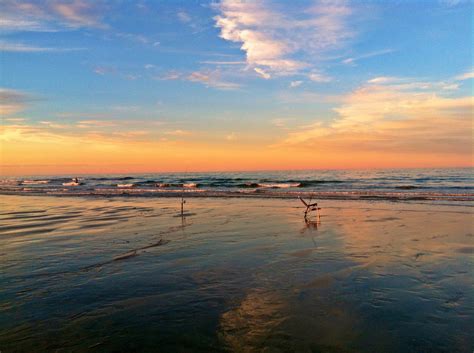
176, 185
280, 185
125, 185
34, 182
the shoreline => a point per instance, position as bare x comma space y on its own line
339, 195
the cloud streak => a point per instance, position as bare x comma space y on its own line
353, 60
25, 48
13, 101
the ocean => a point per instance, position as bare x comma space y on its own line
386, 184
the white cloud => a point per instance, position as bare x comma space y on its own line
319, 77
384, 79
294, 84
279, 41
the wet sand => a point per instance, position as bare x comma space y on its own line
234, 275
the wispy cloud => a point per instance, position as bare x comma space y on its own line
319, 77
353, 60
262, 73
465, 76
277, 41
178, 133
87, 124
183, 17
78, 13
51, 15
211, 79
25, 48
136, 38
195, 23
13, 101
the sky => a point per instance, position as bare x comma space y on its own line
153, 86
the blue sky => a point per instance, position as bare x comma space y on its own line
254, 71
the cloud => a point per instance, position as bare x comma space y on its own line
87, 124
178, 133
13, 101
282, 122
384, 79
274, 39
24, 48
138, 38
294, 84
319, 77
54, 125
262, 73
183, 17
352, 61
99, 70
77, 13
392, 117
54, 15
170, 75
194, 23
211, 79
465, 76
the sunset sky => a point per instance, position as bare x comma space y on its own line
149, 86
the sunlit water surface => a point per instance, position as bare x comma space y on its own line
235, 275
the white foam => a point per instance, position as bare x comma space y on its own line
125, 185
34, 182
280, 185
71, 183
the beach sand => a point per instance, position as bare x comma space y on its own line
239, 275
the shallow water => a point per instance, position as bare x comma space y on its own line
235, 275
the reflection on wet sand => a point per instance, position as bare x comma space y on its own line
240, 276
